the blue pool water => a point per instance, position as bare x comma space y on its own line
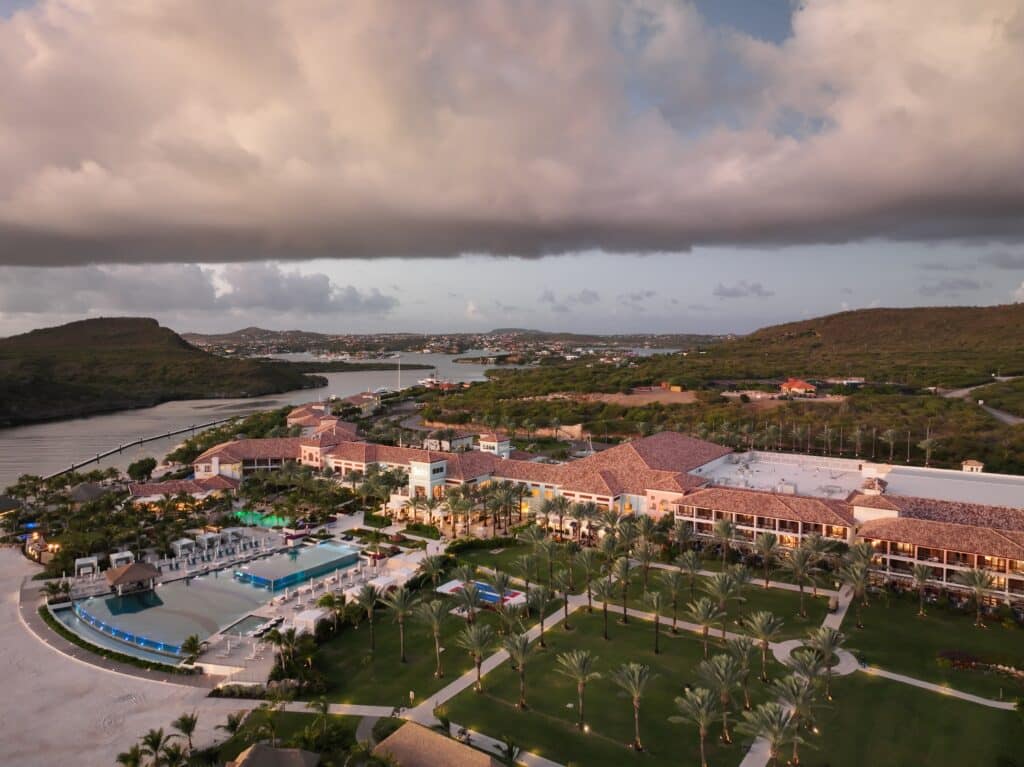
158, 621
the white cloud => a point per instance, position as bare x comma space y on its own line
1018, 294
186, 130
742, 289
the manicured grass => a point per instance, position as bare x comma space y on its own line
548, 727
882, 723
354, 675
894, 638
506, 558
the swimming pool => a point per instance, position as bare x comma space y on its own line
158, 621
250, 517
486, 593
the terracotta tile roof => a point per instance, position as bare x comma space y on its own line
332, 434
999, 517
413, 745
528, 471
871, 501
262, 755
175, 486
250, 449
666, 451
795, 508
946, 535
470, 465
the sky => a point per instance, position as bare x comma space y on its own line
459, 165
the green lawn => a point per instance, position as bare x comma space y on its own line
505, 560
547, 727
354, 675
894, 638
881, 723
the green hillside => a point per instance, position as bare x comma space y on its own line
107, 364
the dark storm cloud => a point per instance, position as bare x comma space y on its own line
1004, 260
190, 131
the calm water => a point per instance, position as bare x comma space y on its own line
45, 448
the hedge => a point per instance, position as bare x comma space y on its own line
471, 544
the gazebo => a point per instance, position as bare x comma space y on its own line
119, 558
86, 566
183, 547
138, 576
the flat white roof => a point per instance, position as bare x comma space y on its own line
825, 477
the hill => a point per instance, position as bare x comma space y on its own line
105, 364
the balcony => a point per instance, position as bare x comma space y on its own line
959, 560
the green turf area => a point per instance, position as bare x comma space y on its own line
289, 725
882, 723
354, 675
547, 727
894, 638
505, 560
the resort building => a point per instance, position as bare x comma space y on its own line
448, 441
797, 387
153, 493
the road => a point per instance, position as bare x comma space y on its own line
1000, 415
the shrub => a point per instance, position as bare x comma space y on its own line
424, 531
375, 520
385, 726
472, 544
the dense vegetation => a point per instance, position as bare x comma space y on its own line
109, 364
1007, 395
268, 423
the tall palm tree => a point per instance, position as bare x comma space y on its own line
604, 592
526, 566
801, 568
740, 648
623, 575
766, 546
723, 588
173, 755
401, 602
153, 744
186, 725
689, 562
826, 642
557, 507
765, 628
672, 582
655, 601
856, 575
633, 679
541, 599
589, 562
921, 574
433, 567
821, 548
698, 706
889, 437
774, 724
335, 604
519, 650
367, 598
723, 532
705, 614
980, 583
468, 599
797, 695
721, 674
501, 582
578, 665
646, 553
682, 535
563, 582
434, 614
322, 708
192, 647
476, 639
233, 724
133, 757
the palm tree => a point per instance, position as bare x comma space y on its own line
173, 755
820, 548
623, 575
233, 723
541, 600
433, 567
672, 582
689, 563
186, 725
655, 599
133, 757
153, 744
519, 650
921, 574
740, 648
401, 602
563, 582
191, 647
801, 568
476, 639
979, 582
797, 695
723, 588
646, 553
633, 679
322, 708
765, 628
721, 674
558, 506
723, 532
578, 665
773, 723
434, 614
889, 437
604, 592
826, 642
468, 599
856, 576
766, 546
697, 706
682, 535
589, 561
705, 614
525, 565
367, 599
335, 603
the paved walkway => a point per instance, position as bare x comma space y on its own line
758, 582
947, 691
